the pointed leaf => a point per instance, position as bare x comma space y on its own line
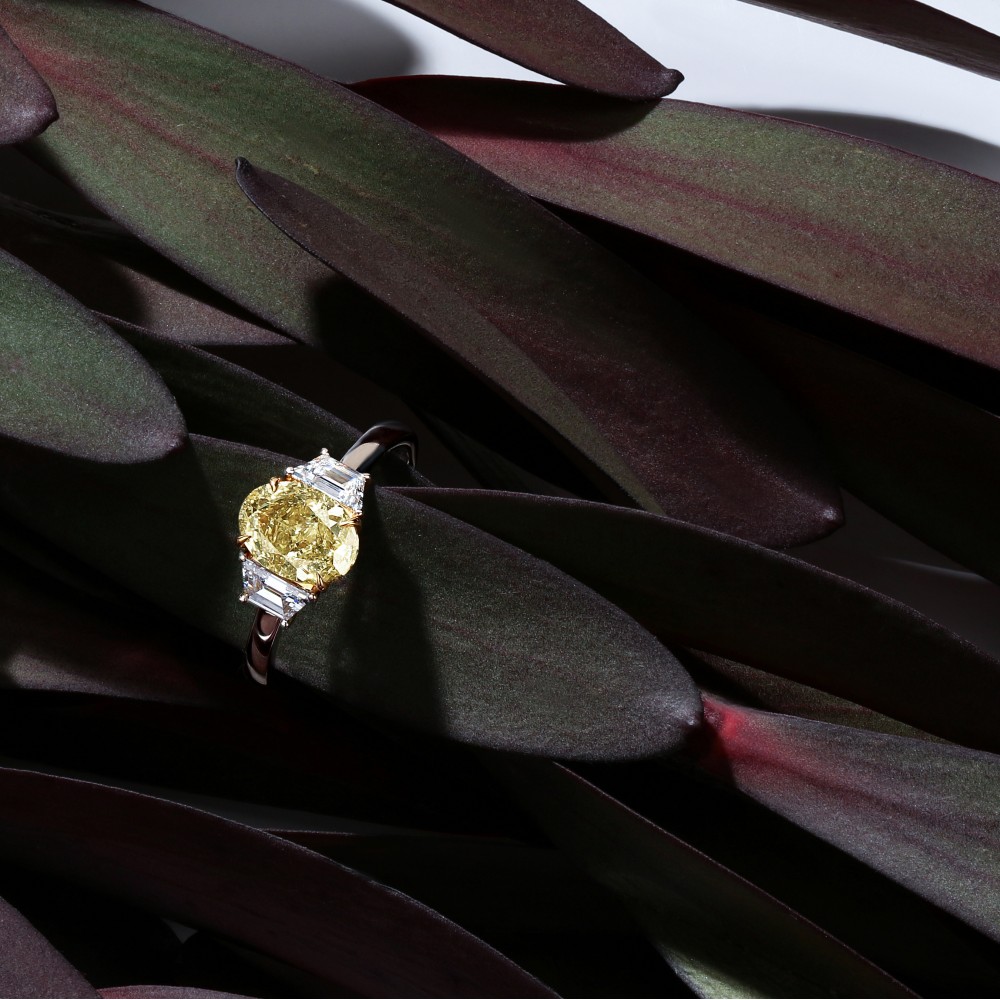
755, 688
462, 322
30, 966
870, 230
221, 399
162, 993
27, 106
919, 455
73, 386
561, 39
722, 935
115, 275
695, 423
907, 24
481, 883
256, 889
81, 682
558, 671
922, 813
713, 592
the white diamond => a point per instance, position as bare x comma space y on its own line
336, 480
265, 590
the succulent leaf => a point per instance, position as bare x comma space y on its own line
872, 231
72, 385
713, 592
561, 39
907, 24
557, 671
712, 441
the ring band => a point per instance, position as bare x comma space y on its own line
298, 534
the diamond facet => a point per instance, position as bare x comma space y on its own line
270, 592
299, 533
336, 480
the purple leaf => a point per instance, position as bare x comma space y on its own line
722, 935
917, 454
71, 385
907, 24
161, 993
713, 592
30, 966
561, 39
667, 409
649, 407
256, 889
414, 636
27, 106
922, 813
121, 279
872, 231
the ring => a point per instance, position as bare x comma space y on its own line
298, 534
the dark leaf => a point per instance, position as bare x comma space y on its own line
80, 683
713, 592
154, 111
642, 398
70, 384
917, 454
723, 936
224, 400
107, 941
115, 275
161, 993
907, 24
415, 635
923, 813
755, 688
30, 966
489, 885
873, 231
27, 106
254, 888
561, 39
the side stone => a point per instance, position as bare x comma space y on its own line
265, 590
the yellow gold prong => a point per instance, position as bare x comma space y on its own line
274, 480
243, 539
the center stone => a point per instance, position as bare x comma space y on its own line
299, 534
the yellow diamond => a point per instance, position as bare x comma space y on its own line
299, 533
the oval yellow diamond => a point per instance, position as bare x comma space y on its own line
299, 533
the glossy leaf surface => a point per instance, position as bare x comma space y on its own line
654, 389
713, 592
913, 452
253, 888
922, 813
561, 39
723, 936
116, 276
27, 106
887, 236
907, 24
82, 679
73, 386
652, 407
754, 688
555, 670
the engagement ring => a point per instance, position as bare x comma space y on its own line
298, 534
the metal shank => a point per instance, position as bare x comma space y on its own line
361, 456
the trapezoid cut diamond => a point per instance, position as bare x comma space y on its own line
336, 480
270, 592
